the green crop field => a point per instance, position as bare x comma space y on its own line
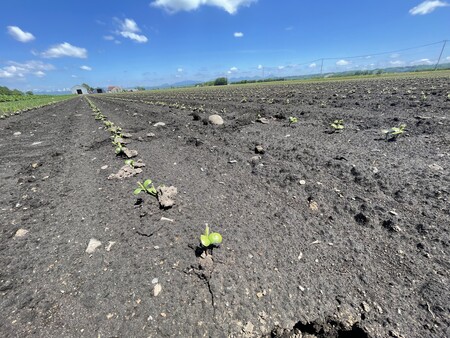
13, 104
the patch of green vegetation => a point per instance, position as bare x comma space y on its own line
147, 187
337, 125
393, 133
293, 119
209, 239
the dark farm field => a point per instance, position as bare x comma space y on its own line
324, 234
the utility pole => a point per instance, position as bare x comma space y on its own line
321, 67
440, 55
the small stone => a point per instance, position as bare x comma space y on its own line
366, 307
20, 233
215, 119
130, 153
232, 161
109, 246
104, 167
35, 165
166, 196
163, 315
375, 170
157, 289
36, 143
150, 135
17, 133
109, 315
301, 288
262, 120
392, 212
435, 167
255, 159
155, 281
302, 182
93, 245
248, 328
159, 124
126, 135
259, 149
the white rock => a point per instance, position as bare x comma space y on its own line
109, 246
159, 124
17, 133
155, 281
302, 182
104, 167
93, 245
20, 233
151, 135
215, 119
157, 289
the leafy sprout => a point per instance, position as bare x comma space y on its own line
208, 239
147, 187
293, 119
394, 132
119, 148
130, 162
337, 125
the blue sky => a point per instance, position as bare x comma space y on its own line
52, 45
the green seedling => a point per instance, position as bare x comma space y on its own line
130, 163
208, 239
337, 125
394, 132
293, 119
148, 187
108, 124
119, 148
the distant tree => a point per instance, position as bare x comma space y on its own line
16, 92
5, 90
88, 88
140, 88
221, 81
29, 92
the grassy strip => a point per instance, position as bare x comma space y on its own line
13, 107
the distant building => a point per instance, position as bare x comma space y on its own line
79, 90
114, 89
98, 91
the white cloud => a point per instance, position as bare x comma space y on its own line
65, 49
395, 55
108, 37
231, 6
74, 76
313, 65
180, 70
19, 34
233, 69
238, 35
20, 70
396, 63
343, 63
86, 68
260, 66
422, 62
427, 7
280, 67
448, 58
39, 73
129, 29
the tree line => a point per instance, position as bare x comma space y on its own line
6, 91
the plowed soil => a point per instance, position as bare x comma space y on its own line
325, 234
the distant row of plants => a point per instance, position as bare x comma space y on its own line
15, 107
208, 240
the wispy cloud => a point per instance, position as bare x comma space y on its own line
427, 7
65, 49
172, 6
20, 70
422, 62
129, 29
260, 67
238, 34
396, 63
343, 63
19, 34
86, 68
180, 70
108, 37
313, 65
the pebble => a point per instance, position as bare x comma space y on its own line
215, 119
302, 182
157, 289
104, 167
159, 124
36, 143
263, 120
17, 133
109, 246
93, 245
151, 135
248, 328
155, 281
20, 233
435, 167
259, 149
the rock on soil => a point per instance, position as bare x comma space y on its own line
130, 153
125, 172
93, 245
20, 233
215, 119
166, 196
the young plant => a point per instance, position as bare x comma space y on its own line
337, 125
119, 148
148, 187
293, 119
394, 132
208, 239
130, 163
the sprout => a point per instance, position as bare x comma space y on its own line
208, 239
148, 187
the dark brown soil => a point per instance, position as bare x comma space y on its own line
324, 234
